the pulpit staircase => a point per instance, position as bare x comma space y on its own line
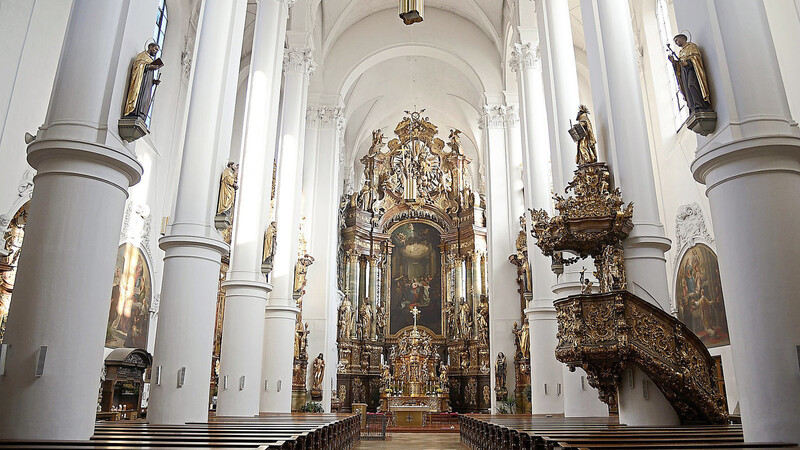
605, 333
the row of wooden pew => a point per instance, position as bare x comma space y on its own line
267, 431
517, 432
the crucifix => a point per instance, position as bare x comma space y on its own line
415, 312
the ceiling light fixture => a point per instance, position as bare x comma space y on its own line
411, 11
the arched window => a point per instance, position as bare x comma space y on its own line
679, 109
159, 32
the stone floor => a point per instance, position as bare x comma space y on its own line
416, 441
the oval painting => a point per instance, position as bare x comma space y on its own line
698, 296
131, 294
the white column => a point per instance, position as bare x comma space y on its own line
752, 172
320, 183
281, 310
502, 224
622, 132
246, 288
560, 79
537, 178
65, 273
193, 247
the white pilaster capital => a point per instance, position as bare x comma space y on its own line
492, 117
325, 117
287, 3
298, 60
525, 56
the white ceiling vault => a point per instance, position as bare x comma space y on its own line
376, 67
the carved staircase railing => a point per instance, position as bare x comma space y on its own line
603, 333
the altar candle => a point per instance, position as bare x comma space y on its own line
381, 358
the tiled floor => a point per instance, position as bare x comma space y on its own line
416, 441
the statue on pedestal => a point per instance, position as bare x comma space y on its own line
690, 73
227, 188
300, 339
269, 242
317, 377
465, 319
345, 318
482, 319
142, 80
365, 319
380, 322
522, 340
451, 319
500, 368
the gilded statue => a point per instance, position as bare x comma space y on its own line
300, 338
500, 369
465, 318
522, 339
587, 144
691, 75
300, 271
455, 142
611, 271
227, 188
318, 374
443, 368
386, 376
380, 322
269, 242
482, 319
345, 318
142, 80
365, 318
297, 374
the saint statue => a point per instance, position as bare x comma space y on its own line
587, 144
269, 242
365, 318
318, 374
691, 75
451, 318
142, 80
523, 339
380, 321
465, 319
482, 319
500, 376
443, 368
227, 188
386, 376
300, 339
345, 318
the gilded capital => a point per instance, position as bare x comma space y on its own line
525, 56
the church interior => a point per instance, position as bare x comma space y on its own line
485, 224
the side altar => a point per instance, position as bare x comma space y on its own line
413, 318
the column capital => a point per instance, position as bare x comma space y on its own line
299, 60
325, 117
525, 56
493, 116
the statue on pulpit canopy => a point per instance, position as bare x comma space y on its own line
587, 144
142, 80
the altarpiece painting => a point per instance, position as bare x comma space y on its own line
416, 278
131, 295
698, 294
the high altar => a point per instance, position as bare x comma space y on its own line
413, 320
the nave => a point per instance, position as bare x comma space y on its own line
250, 222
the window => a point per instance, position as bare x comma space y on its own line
158, 37
679, 109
